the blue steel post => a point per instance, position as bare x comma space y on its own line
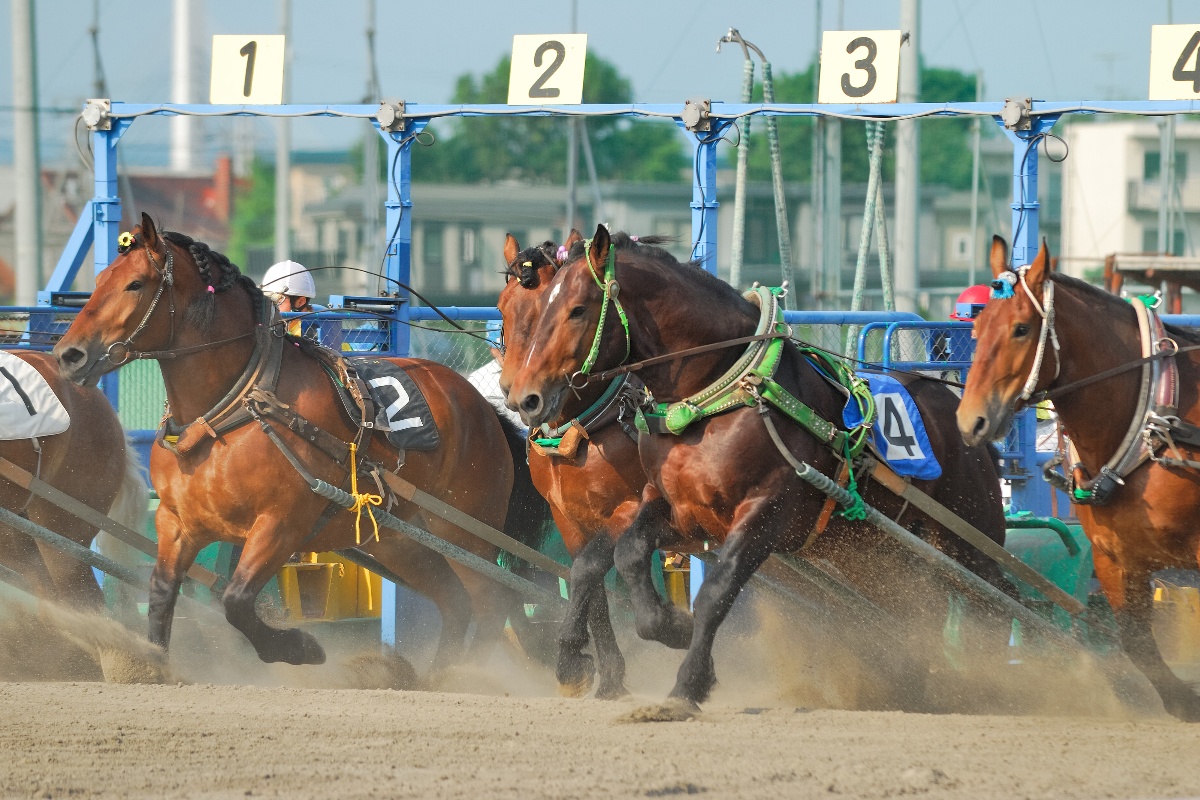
106, 208
704, 194
398, 256
1030, 492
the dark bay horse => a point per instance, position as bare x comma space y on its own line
594, 493
722, 481
1149, 522
190, 308
89, 461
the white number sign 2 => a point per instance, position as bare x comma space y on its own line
1175, 62
859, 67
547, 69
247, 70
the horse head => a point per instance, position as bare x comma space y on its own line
526, 277
157, 294
567, 339
1011, 346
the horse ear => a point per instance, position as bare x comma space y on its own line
598, 252
999, 256
574, 237
1040, 267
149, 232
511, 248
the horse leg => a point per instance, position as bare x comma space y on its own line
20, 553
610, 662
1129, 593
748, 545
265, 552
655, 618
429, 575
176, 553
575, 669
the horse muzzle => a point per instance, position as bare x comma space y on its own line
537, 407
992, 424
83, 365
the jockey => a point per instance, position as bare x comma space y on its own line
291, 287
970, 302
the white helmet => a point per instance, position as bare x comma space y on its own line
290, 278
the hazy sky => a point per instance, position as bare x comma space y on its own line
1067, 50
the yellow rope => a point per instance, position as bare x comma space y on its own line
361, 501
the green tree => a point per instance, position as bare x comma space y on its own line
534, 149
945, 143
253, 219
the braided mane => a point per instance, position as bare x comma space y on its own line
200, 313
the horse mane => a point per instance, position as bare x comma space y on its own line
526, 275
200, 313
647, 247
1114, 302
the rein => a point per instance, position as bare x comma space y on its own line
611, 289
691, 351
1059, 391
124, 348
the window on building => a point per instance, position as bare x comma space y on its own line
1150, 241
468, 245
960, 248
433, 244
1152, 166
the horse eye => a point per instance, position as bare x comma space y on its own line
1021, 329
133, 287
577, 312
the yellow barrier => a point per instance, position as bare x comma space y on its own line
1177, 622
324, 586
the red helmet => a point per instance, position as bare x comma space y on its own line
971, 302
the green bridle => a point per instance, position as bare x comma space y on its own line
609, 286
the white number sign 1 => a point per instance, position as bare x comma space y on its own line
547, 69
859, 67
247, 70
1175, 62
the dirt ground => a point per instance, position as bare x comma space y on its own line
218, 724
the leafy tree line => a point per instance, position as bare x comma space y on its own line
534, 149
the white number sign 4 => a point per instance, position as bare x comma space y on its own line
547, 69
1175, 62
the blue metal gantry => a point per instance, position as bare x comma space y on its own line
399, 123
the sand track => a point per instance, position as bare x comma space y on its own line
104, 740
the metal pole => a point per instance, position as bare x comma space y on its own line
1166, 180
782, 226
817, 187
738, 246
885, 262
833, 210
372, 191
908, 165
593, 177
704, 195
978, 136
875, 145
182, 126
283, 148
572, 148
27, 168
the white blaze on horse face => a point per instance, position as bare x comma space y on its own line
554, 294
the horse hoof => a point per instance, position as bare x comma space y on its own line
295, 647
1185, 709
575, 675
613, 690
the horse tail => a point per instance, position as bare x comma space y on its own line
528, 519
131, 505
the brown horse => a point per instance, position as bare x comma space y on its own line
722, 481
208, 326
91, 462
1149, 521
593, 493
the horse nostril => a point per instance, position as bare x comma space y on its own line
980, 426
71, 356
532, 403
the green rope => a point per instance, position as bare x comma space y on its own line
856, 511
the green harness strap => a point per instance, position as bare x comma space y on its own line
753, 377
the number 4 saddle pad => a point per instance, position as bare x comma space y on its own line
899, 432
402, 412
28, 406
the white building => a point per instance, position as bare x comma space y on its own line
1112, 191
